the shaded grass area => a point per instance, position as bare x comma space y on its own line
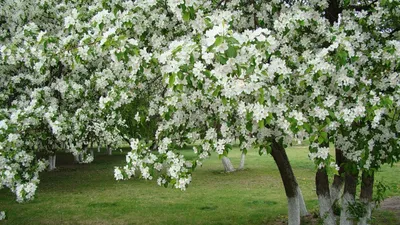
88, 194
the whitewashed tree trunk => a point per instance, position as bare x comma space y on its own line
92, 153
289, 182
293, 210
226, 162
345, 217
325, 210
338, 180
350, 188
51, 163
54, 161
335, 192
98, 146
302, 204
367, 186
80, 157
324, 197
242, 160
76, 158
109, 150
365, 219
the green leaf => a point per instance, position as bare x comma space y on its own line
261, 124
261, 97
172, 79
217, 91
320, 140
307, 127
186, 16
218, 40
224, 100
176, 50
269, 149
269, 118
342, 56
221, 59
324, 135
250, 70
231, 52
312, 138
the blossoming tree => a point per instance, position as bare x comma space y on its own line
263, 73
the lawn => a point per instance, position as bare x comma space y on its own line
88, 194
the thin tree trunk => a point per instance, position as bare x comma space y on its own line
54, 161
324, 198
338, 180
92, 153
76, 158
98, 146
226, 162
367, 185
349, 192
80, 157
242, 160
109, 150
289, 182
51, 163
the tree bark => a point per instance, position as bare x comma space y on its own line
76, 158
333, 11
54, 161
289, 182
242, 160
51, 163
349, 192
367, 186
80, 157
302, 204
109, 150
92, 153
338, 180
324, 198
226, 162
98, 146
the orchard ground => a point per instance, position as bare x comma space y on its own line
89, 194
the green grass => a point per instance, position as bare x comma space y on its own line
88, 194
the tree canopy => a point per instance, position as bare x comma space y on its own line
266, 73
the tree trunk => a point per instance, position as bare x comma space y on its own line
54, 161
242, 160
92, 153
349, 192
338, 180
98, 146
76, 158
226, 162
333, 11
289, 182
324, 198
109, 150
51, 163
302, 204
367, 185
80, 157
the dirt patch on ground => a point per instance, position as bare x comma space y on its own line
391, 204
